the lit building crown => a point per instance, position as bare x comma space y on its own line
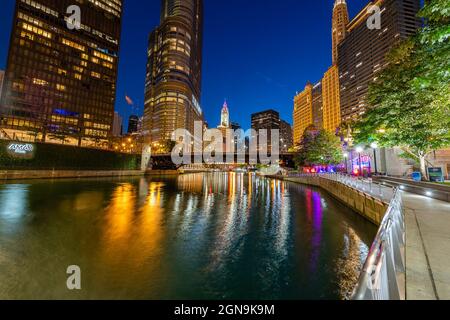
338, 2
225, 117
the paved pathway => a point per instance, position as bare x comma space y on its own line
427, 248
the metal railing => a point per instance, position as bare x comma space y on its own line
383, 274
367, 186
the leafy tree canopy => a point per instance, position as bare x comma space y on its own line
319, 148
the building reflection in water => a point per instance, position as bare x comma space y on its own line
13, 205
316, 241
194, 236
349, 263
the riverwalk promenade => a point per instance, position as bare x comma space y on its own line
427, 248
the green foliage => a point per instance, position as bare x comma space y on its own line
319, 148
58, 157
410, 100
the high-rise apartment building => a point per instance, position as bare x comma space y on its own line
133, 124
286, 138
303, 112
266, 120
339, 26
331, 100
173, 82
317, 106
61, 81
361, 55
117, 128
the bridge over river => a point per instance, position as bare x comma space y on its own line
164, 161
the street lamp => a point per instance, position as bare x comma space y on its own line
360, 150
374, 146
346, 161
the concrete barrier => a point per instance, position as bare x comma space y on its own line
369, 207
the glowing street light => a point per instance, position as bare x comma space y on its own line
374, 146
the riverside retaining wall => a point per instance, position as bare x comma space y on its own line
62, 174
369, 207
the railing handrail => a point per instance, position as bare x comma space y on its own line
378, 279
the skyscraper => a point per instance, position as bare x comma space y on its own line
133, 123
61, 81
361, 55
117, 130
173, 83
286, 138
339, 26
317, 106
225, 117
331, 100
266, 120
303, 112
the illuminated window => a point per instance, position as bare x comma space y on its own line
73, 44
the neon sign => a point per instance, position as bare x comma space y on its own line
22, 150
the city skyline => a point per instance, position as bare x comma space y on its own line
274, 83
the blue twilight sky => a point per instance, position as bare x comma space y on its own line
256, 53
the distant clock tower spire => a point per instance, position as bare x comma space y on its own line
225, 117
340, 21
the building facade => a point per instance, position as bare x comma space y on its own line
133, 124
339, 26
286, 137
60, 82
265, 120
303, 112
173, 82
361, 55
117, 130
317, 106
331, 100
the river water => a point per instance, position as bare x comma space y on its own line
194, 236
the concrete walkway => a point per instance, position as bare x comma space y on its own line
427, 248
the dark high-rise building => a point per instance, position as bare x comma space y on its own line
60, 81
361, 55
317, 106
286, 136
117, 128
173, 84
133, 124
266, 120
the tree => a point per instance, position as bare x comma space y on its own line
409, 103
319, 148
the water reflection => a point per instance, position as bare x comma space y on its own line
199, 236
